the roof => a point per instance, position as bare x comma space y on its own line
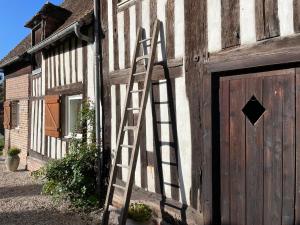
80, 9
56, 12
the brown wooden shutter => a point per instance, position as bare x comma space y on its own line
52, 116
7, 115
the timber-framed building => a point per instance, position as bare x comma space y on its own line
223, 112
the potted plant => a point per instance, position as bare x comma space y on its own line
12, 161
139, 214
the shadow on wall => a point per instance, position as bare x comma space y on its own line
176, 183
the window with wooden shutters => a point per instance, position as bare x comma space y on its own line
7, 115
52, 116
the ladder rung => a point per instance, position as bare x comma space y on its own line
119, 186
167, 143
122, 166
163, 122
129, 128
114, 209
142, 58
127, 146
161, 103
139, 74
172, 185
145, 40
137, 91
169, 163
131, 109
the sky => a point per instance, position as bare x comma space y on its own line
13, 16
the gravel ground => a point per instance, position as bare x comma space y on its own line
22, 204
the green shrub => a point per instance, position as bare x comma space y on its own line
13, 152
74, 176
139, 212
2, 144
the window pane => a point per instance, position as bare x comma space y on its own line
74, 112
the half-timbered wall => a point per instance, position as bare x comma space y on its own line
168, 101
222, 25
67, 69
245, 22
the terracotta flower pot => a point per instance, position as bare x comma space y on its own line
12, 163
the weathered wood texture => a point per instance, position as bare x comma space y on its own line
268, 52
174, 66
258, 160
230, 23
267, 22
170, 39
195, 52
106, 92
297, 16
297, 146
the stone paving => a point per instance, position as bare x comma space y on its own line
22, 204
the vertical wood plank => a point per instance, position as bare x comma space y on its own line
267, 22
170, 19
70, 59
55, 83
62, 65
75, 65
224, 152
196, 43
116, 35
237, 153
254, 158
272, 95
230, 25
288, 148
58, 67
85, 69
297, 191
297, 16
106, 97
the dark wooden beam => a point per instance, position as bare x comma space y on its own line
175, 70
268, 52
198, 93
70, 89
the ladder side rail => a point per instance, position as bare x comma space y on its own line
133, 162
120, 139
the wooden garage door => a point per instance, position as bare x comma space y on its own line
258, 143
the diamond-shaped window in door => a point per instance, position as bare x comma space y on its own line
253, 110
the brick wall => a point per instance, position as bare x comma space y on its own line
34, 164
17, 89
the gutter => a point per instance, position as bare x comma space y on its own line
75, 27
10, 61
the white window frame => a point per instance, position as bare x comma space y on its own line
69, 133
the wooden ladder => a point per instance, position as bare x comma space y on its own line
127, 188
